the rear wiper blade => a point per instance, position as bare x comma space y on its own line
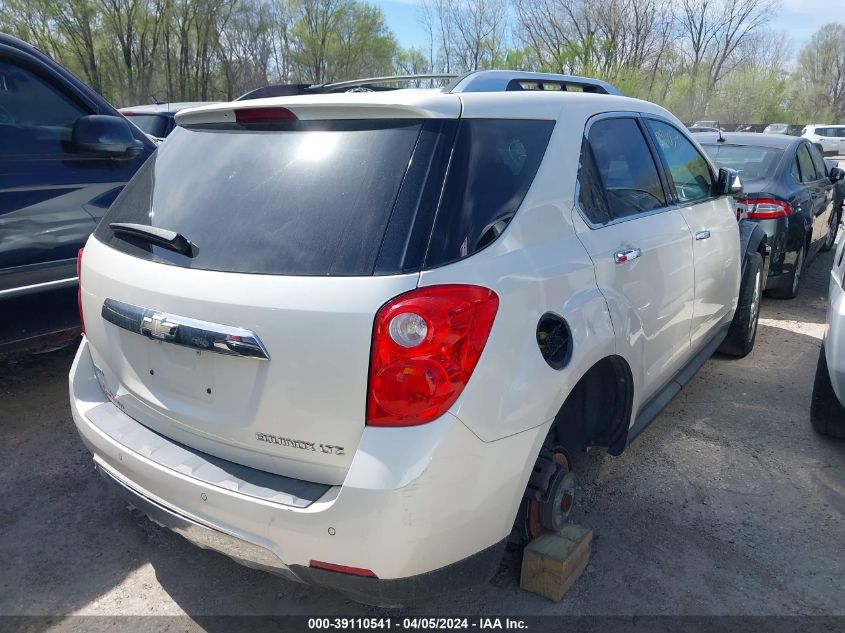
161, 237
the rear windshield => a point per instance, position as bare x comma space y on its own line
354, 197
752, 163
152, 124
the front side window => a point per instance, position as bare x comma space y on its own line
617, 176
688, 169
35, 117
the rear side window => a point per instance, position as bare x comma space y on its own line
818, 162
492, 167
795, 170
808, 170
617, 176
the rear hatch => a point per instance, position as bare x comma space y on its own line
254, 346
247, 334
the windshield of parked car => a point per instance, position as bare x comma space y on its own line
752, 163
152, 124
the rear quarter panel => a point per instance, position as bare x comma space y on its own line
537, 265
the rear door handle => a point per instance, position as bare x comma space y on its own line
702, 235
626, 255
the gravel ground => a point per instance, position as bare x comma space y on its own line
727, 504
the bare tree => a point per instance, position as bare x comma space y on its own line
821, 71
711, 32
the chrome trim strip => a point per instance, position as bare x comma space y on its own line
46, 285
200, 335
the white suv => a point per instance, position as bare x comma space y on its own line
353, 338
830, 137
827, 408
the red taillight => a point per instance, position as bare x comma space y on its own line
343, 569
79, 290
766, 208
426, 344
128, 113
263, 115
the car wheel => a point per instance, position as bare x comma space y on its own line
743, 331
790, 291
830, 240
827, 414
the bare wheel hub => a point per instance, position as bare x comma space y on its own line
550, 495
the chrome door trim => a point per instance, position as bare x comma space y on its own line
46, 285
186, 332
626, 255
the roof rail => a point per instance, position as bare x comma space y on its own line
343, 86
474, 81
511, 80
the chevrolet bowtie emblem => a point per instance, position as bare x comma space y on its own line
157, 326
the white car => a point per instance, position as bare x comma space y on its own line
354, 338
830, 137
776, 128
827, 411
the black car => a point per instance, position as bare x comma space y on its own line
158, 119
789, 191
65, 154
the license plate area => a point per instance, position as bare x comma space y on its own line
179, 371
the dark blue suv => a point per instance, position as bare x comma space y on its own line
65, 154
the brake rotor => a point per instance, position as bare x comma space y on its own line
550, 495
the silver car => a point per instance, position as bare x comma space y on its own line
827, 412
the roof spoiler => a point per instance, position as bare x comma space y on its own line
474, 81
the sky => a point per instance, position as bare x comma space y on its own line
799, 19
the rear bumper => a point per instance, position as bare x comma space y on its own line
426, 508
472, 570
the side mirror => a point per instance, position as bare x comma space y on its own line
729, 182
836, 174
105, 135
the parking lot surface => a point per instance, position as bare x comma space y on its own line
727, 504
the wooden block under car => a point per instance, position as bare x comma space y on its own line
551, 563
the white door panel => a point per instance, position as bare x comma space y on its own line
651, 295
716, 255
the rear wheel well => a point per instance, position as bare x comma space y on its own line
761, 248
597, 412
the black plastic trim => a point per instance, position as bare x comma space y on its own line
672, 388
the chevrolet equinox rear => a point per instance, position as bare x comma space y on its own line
353, 338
